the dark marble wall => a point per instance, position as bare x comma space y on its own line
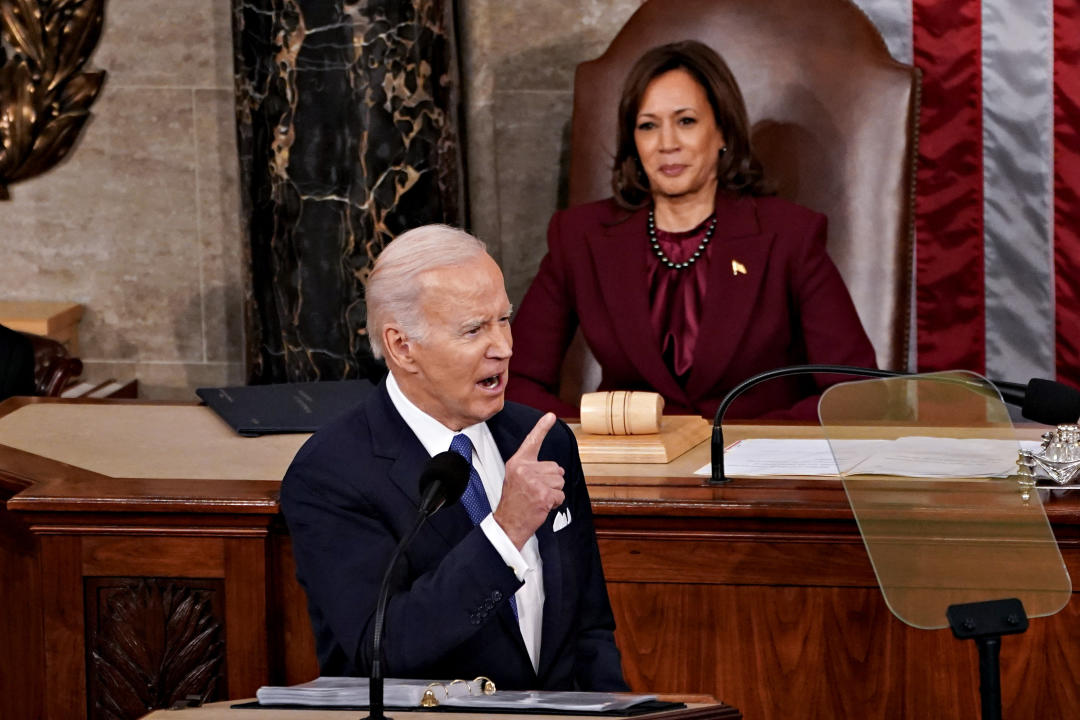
347, 126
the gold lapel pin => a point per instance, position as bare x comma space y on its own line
737, 268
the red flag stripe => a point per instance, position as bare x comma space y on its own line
951, 323
1067, 189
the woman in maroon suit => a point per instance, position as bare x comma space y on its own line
691, 278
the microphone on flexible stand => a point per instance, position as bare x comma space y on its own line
442, 483
1051, 403
1046, 400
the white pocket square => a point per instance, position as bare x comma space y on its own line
562, 519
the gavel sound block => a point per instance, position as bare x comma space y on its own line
629, 427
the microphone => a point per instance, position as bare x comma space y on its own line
442, 482
1057, 401
1051, 403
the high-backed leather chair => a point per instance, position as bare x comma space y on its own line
54, 367
834, 121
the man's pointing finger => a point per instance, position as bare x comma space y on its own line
530, 446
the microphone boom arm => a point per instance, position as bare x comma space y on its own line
375, 689
717, 449
442, 482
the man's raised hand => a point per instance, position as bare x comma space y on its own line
532, 488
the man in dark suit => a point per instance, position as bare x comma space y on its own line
16, 364
515, 593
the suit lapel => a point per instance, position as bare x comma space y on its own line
619, 254
737, 265
392, 439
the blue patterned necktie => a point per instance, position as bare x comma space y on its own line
475, 498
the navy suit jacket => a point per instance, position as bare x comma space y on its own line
789, 307
349, 496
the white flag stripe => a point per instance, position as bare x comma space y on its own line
1017, 95
1018, 129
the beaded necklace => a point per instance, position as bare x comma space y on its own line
655, 244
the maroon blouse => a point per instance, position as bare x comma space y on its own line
676, 297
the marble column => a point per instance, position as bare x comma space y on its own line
347, 124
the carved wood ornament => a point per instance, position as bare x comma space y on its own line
45, 95
153, 642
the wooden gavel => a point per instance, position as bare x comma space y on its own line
621, 412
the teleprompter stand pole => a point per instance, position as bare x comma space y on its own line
985, 622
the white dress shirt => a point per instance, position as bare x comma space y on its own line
526, 564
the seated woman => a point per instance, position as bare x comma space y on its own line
691, 278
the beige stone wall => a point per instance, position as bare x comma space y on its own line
141, 224
518, 69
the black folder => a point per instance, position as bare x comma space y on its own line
254, 410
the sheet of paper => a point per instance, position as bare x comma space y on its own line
762, 457
935, 457
906, 457
565, 701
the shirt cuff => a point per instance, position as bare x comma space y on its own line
504, 546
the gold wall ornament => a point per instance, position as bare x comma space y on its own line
45, 95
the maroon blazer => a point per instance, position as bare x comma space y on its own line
790, 307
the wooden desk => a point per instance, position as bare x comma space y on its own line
759, 592
223, 711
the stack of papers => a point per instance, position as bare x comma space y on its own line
343, 691
353, 692
924, 457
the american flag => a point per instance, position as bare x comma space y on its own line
998, 184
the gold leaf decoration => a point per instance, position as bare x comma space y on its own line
45, 95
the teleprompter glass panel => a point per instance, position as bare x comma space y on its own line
928, 463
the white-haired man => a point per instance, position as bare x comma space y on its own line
507, 583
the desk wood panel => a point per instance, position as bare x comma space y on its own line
774, 652
830, 652
22, 666
153, 556
64, 630
294, 650
715, 561
247, 615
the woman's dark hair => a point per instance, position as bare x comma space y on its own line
738, 169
